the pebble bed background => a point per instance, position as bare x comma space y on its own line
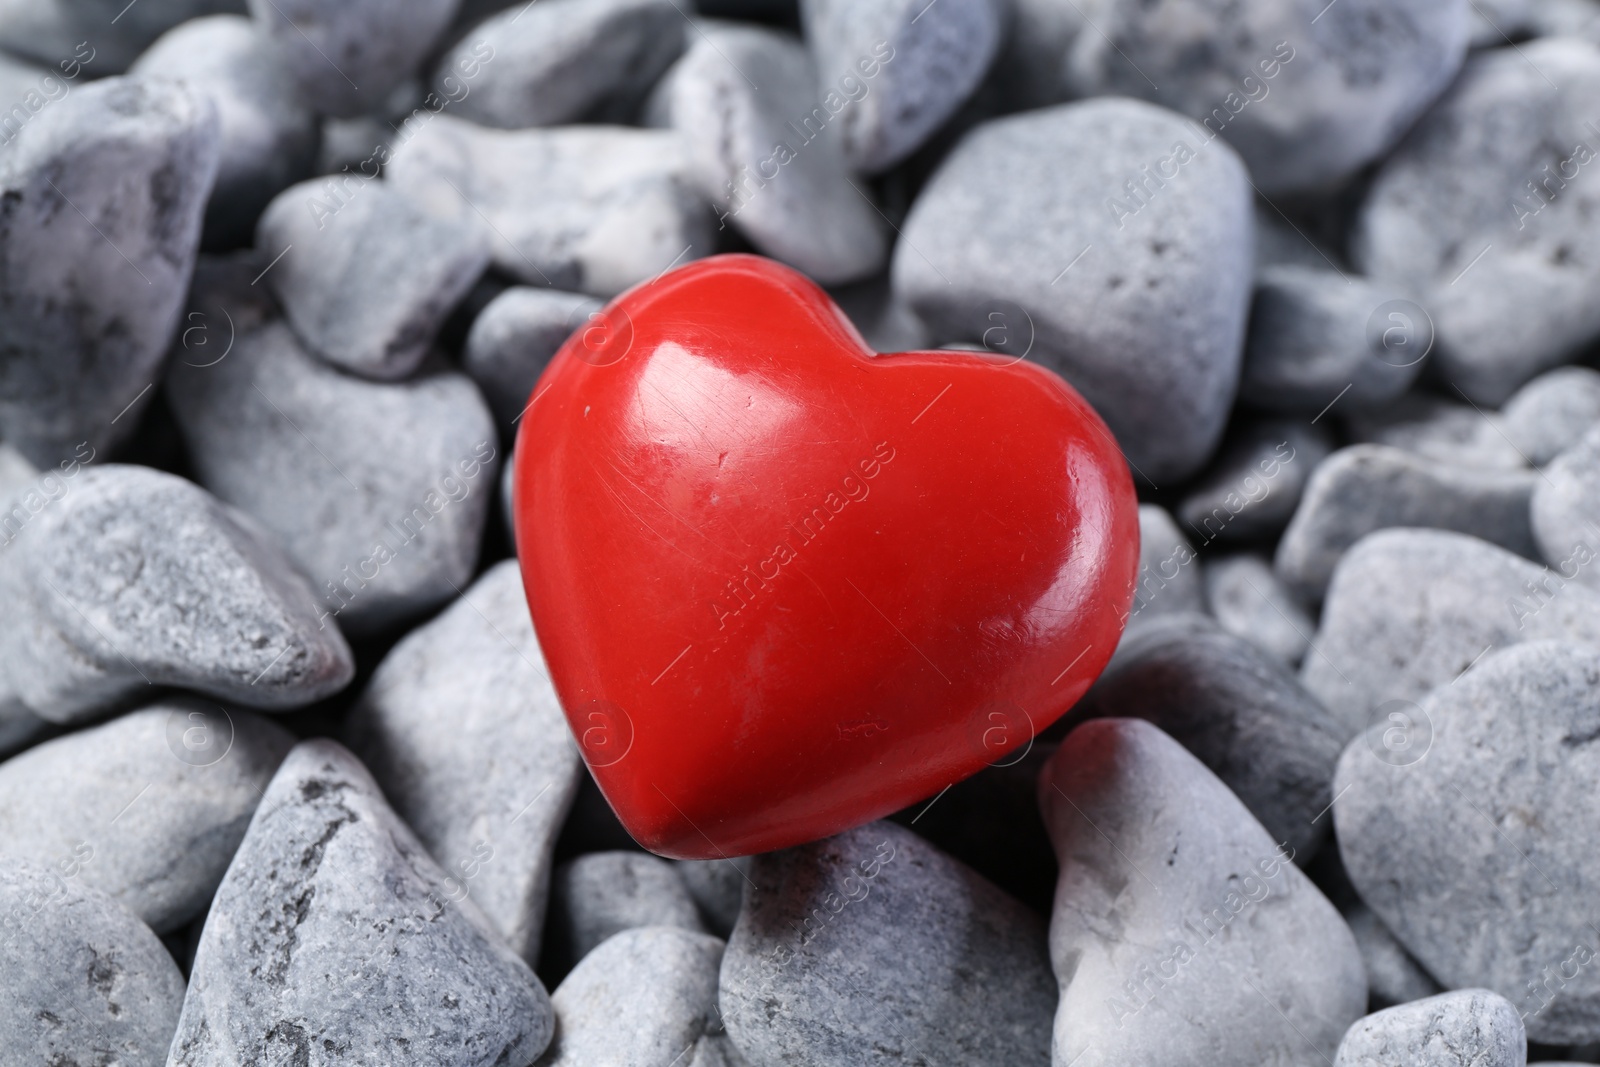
284, 779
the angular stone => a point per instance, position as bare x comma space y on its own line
1169, 570
514, 338
335, 931
462, 728
1444, 430
1176, 910
603, 893
1249, 600
959, 969
1462, 1028
1255, 483
1552, 412
1140, 303
1566, 512
1393, 976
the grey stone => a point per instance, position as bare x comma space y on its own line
1443, 430
1499, 22
334, 931
25, 90
1169, 570
1282, 243
1565, 18
600, 894
267, 134
462, 728
1254, 485
643, 998
366, 281
958, 969
16, 473
1317, 337
1566, 512
1139, 303
1478, 854
903, 65
101, 32
1462, 1028
593, 209
147, 808
1514, 134
561, 61
346, 55
1393, 976
103, 193
82, 981
1372, 487
377, 490
716, 1050
1249, 600
717, 887
1032, 65
1409, 610
1552, 412
132, 578
514, 338
766, 147
885, 323
1176, 910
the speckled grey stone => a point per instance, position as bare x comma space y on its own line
82, 981
717, 887
1552, 412
267, 134
1514, 117
132, 578
1371, 487
1254, 485
148, 807
1169, 569
1462, 1028
1566, 512
365, 277
1409, 610
1176, 910
904, 65
603, 893
1249, 600
51, 31
1448, 431
87, 308
1393, 976
958, 969
561, 61
377, 490
1148, 323
513, 339
644, 998
334, 931
1478, 855
592, 209
462, 728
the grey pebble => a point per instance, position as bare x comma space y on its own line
101, 36
1462, 1028
365, 276
873, 947
129, 578
1477, 853
514, 338
1035, 44
600, 894
333, 931
147, 808
593, 209
1565, 18
1282, 243
717, 887
1249, 600
1566, 512
1552, 412
716, 1050
1516, 122
1254, 484
1138, 299
1393, 976
884, 321
766, 145
1500, 22
1169, 569
82, 980
87, 308
1176, 910
1447, 431
462, 728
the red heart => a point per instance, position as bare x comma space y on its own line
786, 586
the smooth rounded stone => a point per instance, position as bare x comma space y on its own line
1169, 569
1565, 18
1552, 412
1237, 710
592, 209
1442, 430
1393, 976
716, 1050
1175, 910
1462, 1028
1255, 483
1372, 487
643, 998
1409, 610
1281, 243
1036, 41
16, 473
1306, 93
514, 338
1317, 337
766, 144
147, 808
1513, 133
378, 491
717, 888
873, 947
1248, 599
1138, 296
885, 323
562, 61
132, 578
1499, 22
19, 726
113, 35
346, 55
1566, 512
87, 308
904, 66
82, 980
600, 894
367, 280
268, 135
462, 728
335, 931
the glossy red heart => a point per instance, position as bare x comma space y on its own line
786, 586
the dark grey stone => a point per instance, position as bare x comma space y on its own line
1249, 600
600, 894
1462, 1028
1448, 431
1254, 485
103, 35
717, 887
1393, 976
514, 338
1566, 512
1552, 412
